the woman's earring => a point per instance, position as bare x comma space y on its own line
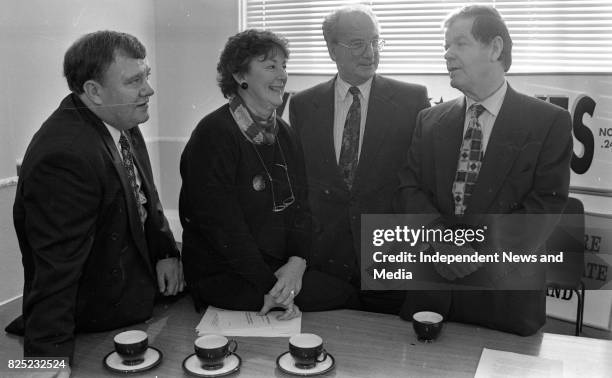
244, 85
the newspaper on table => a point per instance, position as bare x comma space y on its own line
246, 323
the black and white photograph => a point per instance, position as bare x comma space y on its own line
334, 188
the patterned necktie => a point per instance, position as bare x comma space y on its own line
128, 164
350, 139
470, 160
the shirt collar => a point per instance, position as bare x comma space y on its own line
342, 88
115, 134
492, 103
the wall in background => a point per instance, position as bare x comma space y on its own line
190, 36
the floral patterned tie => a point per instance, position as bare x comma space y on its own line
128, 164
350, 140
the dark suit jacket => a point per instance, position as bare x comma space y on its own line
88, 263
525, 171
392, 110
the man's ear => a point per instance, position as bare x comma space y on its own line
92, 90
497, 46
332, 51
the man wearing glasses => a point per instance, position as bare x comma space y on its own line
354, 130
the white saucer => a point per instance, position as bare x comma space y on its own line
286, 364
152, 358
231, 364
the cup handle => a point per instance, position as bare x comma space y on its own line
323, 355
233, 346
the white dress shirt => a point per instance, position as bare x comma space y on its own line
343, 100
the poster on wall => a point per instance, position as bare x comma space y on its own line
590, 105
597, 278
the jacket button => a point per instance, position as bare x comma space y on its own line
326, 191
114, 236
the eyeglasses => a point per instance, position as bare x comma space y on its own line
359, 47
276, 206
287, 201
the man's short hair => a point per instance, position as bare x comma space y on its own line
90, 56
330, 23
487, 25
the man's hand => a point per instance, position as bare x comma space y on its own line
289, 281
170, 276
454, 270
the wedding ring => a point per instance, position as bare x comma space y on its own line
292, 292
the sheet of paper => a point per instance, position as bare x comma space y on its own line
246, 323
500, 364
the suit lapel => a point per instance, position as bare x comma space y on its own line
376, 127
132, 210
323, 133
448, 135
507, 138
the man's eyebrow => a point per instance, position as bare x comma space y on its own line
145, 72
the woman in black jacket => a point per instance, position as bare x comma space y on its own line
243, 206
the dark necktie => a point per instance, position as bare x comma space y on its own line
128, 164
470, 160
350, 140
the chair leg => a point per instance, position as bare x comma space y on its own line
583, 294
579, 309
578, 306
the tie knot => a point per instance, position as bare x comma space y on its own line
477, 110
354, 91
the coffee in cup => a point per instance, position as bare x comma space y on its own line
131, 346
213, 349
307, 350
427, 325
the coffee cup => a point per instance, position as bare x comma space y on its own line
427, 325
131, 346
307, 350
213, 349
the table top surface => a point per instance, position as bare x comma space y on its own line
363, 344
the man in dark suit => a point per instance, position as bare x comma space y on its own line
95, 243
493, 157
354, 130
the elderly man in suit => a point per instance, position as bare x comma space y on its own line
354, 130
95, 243
492, 157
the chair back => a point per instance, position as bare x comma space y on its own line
568, 236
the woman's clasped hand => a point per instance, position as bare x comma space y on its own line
287, 287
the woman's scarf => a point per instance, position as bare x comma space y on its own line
255, 129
